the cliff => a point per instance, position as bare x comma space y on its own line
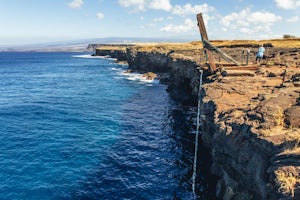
118, 52
250, 123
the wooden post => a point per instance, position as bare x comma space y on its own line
247, 59
242, 57
203, 33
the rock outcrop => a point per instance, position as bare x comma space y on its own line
250, 123
246, 130
118, 54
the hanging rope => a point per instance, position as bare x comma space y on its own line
197, 137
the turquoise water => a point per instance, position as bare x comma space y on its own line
73, 127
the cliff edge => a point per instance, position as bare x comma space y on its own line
250, 123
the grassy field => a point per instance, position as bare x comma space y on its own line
279, 43
197, 45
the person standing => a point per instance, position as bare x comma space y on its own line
260, 53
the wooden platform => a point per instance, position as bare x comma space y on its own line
249, 67
234, 70
238, 73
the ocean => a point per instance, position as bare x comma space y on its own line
74, 126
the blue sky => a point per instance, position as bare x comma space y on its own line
35, 21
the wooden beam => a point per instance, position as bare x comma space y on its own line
221, 53
204, 36
236, 67
254, 68
238, 73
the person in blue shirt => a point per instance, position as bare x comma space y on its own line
260, 53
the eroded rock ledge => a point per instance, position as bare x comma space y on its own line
250, 123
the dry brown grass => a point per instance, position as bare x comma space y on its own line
114, 47
166, 47
285, 43
197, 45
279, 117
279, 43
286, 182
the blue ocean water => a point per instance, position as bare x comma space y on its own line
72, 127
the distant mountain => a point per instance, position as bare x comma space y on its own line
82, 44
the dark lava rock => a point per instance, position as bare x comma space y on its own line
292, 117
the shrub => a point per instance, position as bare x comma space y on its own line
285, 182
289, 36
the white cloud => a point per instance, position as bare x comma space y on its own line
188, 9
287, 4
263, 17
245, 30
138, 5
207, 18
100, 15
160, 5
257, 29
165, 5
141, 5
148, 26
158, 19
250, 22
293, 19
75, 4
187, 26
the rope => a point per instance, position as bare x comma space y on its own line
197, 138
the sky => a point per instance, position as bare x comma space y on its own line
36, 21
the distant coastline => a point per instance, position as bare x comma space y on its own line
82, 45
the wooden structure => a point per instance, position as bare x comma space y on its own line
210, 48
204, 37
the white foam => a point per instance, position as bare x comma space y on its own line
138, 78
93, 57
122, 72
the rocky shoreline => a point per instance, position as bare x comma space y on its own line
251, 124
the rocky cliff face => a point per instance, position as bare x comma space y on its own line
118, 54
147, 61
251, 124
181, 74
244, 125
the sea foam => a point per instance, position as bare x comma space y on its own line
138, 78
122, 71
93, 57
